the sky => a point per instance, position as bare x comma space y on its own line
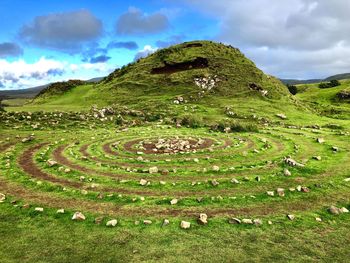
47, 41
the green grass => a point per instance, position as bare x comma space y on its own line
104, 181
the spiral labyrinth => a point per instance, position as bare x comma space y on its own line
162, 172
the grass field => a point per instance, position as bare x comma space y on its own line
260, 172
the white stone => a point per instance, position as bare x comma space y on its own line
60, 211
112, 223
39, 209
185, 225
173, 201
78, 216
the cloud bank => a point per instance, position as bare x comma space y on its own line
62, 31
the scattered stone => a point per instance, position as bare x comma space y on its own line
318, 158
334, 210
147, 222
203, 219
234, 221
280, 192
287, 172
173, 201
234, 181
2, 198
258, 222
143, 182
343, 210
78, 216
335, 149
153, 170
162, 182
318, 219
185, 225
304, 189
216, 168
60, 211
270, 193
112, 223
39, 209
51, 163
269, 222
291, 217
320, 140
281, 116
292, 162
166, 222
214, 183
247, 221
347, 179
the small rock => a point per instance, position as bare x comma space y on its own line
304, 189
214, 183
203, 219
334, 210
335, 149
347, 179
153, 170
185, 225
247, 221
166, 222
2, 198
269, 222
344, 210
287, 172
320, 140
270, 193
51, 163
60, 211
291, 217
258, 179
78, 216
39, 209
281, 116
280, 192
112, 222
147, 222
317, 158
258, 222
173, 201
234, 221
216, 168
162, 182
143, 182
234, 181
318, 219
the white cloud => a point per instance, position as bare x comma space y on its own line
147, 50
19, 74
299, 35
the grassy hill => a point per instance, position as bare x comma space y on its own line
190, 155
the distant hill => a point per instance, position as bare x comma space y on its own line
32, 92
312, 81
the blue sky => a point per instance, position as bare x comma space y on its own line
45, 41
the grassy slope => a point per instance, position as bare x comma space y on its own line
26, 233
